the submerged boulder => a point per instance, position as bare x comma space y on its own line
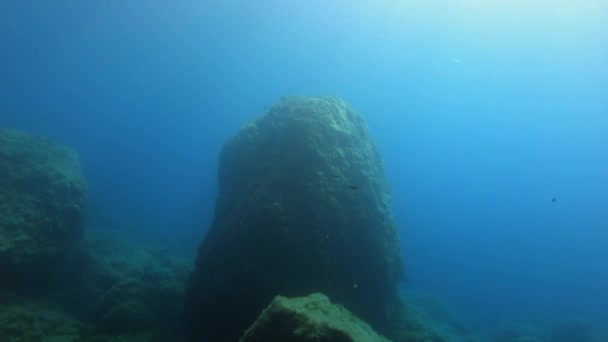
303, 207
43, 195
312, 318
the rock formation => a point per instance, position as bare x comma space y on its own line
42, 199
303, 207
309, 319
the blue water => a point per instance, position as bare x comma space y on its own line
483, 110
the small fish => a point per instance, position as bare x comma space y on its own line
353, 187
335, 176
554, 199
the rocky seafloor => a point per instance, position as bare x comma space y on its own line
133, 289
127, 289
303, 247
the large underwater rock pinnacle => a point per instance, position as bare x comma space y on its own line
303, 207
43, 195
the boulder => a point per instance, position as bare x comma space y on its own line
303, 207
312, 318
43, 195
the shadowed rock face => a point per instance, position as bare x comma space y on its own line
42, 199
303, 207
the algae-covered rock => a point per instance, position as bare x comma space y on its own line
312, 318
303, 207
43, 195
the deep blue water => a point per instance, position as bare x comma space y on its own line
483, 110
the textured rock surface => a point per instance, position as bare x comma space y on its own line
130, 305
128, 285
43, 195
129, 288
27, 320
312, 318
303, 207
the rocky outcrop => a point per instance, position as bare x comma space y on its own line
303, 207
43, 195
312, 318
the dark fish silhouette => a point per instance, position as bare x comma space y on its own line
554, 199
335, 176
353, 187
